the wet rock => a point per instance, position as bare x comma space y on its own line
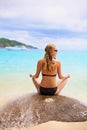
35, 109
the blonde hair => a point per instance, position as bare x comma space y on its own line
48, 64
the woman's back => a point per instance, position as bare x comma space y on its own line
49, 77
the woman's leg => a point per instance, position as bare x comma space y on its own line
61, 85
36, 83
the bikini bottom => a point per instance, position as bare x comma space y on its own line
47, 91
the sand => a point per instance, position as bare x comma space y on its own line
4, 100
54, 125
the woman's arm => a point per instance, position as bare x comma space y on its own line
60, 73
38, 69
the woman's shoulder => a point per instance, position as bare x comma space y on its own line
57, 61
40, 61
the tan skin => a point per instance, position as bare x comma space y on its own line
47, 81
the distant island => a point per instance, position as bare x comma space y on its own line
13, 44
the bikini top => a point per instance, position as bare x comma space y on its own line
49, 75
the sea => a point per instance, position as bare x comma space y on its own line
16, 65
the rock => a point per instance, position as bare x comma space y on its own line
35, 109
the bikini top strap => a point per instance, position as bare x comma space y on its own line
49, 75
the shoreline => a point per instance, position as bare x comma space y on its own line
12, 85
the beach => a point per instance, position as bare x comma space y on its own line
14, 72
28, 28
15, 81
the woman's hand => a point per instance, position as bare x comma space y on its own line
67, 76
31, 75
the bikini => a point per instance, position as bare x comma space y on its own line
48, 91
49, 75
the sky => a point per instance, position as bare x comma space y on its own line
39, 22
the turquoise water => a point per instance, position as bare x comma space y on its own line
25, 60
15, 65
18, 60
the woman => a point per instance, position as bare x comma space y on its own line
50, 68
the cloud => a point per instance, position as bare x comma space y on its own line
43, 21
62, 43
69, 14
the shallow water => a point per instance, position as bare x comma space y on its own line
15, 66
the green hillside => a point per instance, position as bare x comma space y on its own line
12, 43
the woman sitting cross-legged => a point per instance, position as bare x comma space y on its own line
50, 68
